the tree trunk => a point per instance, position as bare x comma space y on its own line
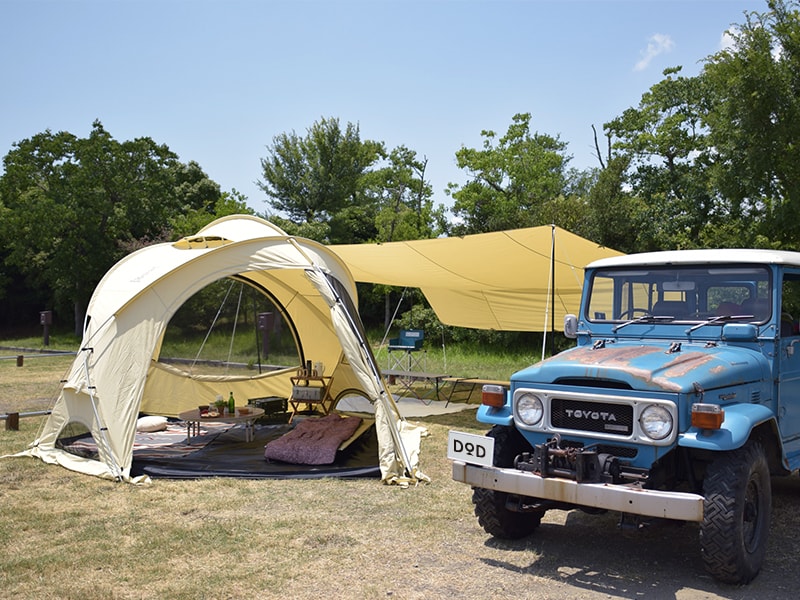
80, 316
387, 310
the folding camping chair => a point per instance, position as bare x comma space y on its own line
406, 352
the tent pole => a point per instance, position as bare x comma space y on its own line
233, 331
385, 398
213, 323
373, 367
117, 470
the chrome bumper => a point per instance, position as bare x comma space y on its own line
623, 498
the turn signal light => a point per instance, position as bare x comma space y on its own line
493, 395
707, 416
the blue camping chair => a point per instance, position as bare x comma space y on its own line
406, 352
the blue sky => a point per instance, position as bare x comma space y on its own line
217, 80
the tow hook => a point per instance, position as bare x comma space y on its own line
579, 464
629, 522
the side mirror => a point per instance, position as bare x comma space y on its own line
571, 326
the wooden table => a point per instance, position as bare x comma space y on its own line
193, 420
406, 380
468, 385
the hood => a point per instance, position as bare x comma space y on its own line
653, 366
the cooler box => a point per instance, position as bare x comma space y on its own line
269, 404
275, 409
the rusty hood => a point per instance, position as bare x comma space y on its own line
653, 366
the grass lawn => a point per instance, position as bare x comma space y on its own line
64, 535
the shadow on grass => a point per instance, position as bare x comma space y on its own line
464, 418
661, 560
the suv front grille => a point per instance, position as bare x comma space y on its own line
596, 417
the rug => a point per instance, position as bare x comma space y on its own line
172, 441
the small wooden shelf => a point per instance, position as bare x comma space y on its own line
311, 391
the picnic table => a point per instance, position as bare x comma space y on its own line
463, 387
406, 380
244, 414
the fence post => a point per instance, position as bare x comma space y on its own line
12, 421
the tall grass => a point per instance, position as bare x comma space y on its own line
458, 359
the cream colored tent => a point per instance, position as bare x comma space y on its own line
116, 373
518, 280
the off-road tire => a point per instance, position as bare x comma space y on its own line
490, 505
736, 514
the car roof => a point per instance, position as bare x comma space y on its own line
703, 256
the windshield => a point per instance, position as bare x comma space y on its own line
680, 293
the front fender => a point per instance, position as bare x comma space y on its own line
740, 419
502, 415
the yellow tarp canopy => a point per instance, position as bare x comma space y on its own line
501, 280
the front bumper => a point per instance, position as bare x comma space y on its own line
631, 499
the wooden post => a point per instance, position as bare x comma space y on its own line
12, 422
20, 360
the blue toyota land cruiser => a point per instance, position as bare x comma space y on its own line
680, 400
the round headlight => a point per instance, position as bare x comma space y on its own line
656, 422
530, 409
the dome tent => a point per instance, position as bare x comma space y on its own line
116, 375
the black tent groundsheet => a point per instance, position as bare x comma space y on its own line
223, 452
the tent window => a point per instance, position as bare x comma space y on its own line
230, 328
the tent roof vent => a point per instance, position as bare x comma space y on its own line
200, 242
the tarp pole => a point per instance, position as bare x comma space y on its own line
550, 302
553, 289
394, 315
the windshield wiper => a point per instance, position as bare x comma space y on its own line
643, 319
717, 319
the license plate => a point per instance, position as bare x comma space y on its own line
470, 448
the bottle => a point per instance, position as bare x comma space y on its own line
231, 405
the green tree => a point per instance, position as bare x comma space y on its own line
515, 180
714, 159
191, 221
754, 123
196, 192
75, 206
665, 142
613, 216
320, 178
404, 211
402, 196
335, 188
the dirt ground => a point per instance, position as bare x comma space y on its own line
583, 556
574, 555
